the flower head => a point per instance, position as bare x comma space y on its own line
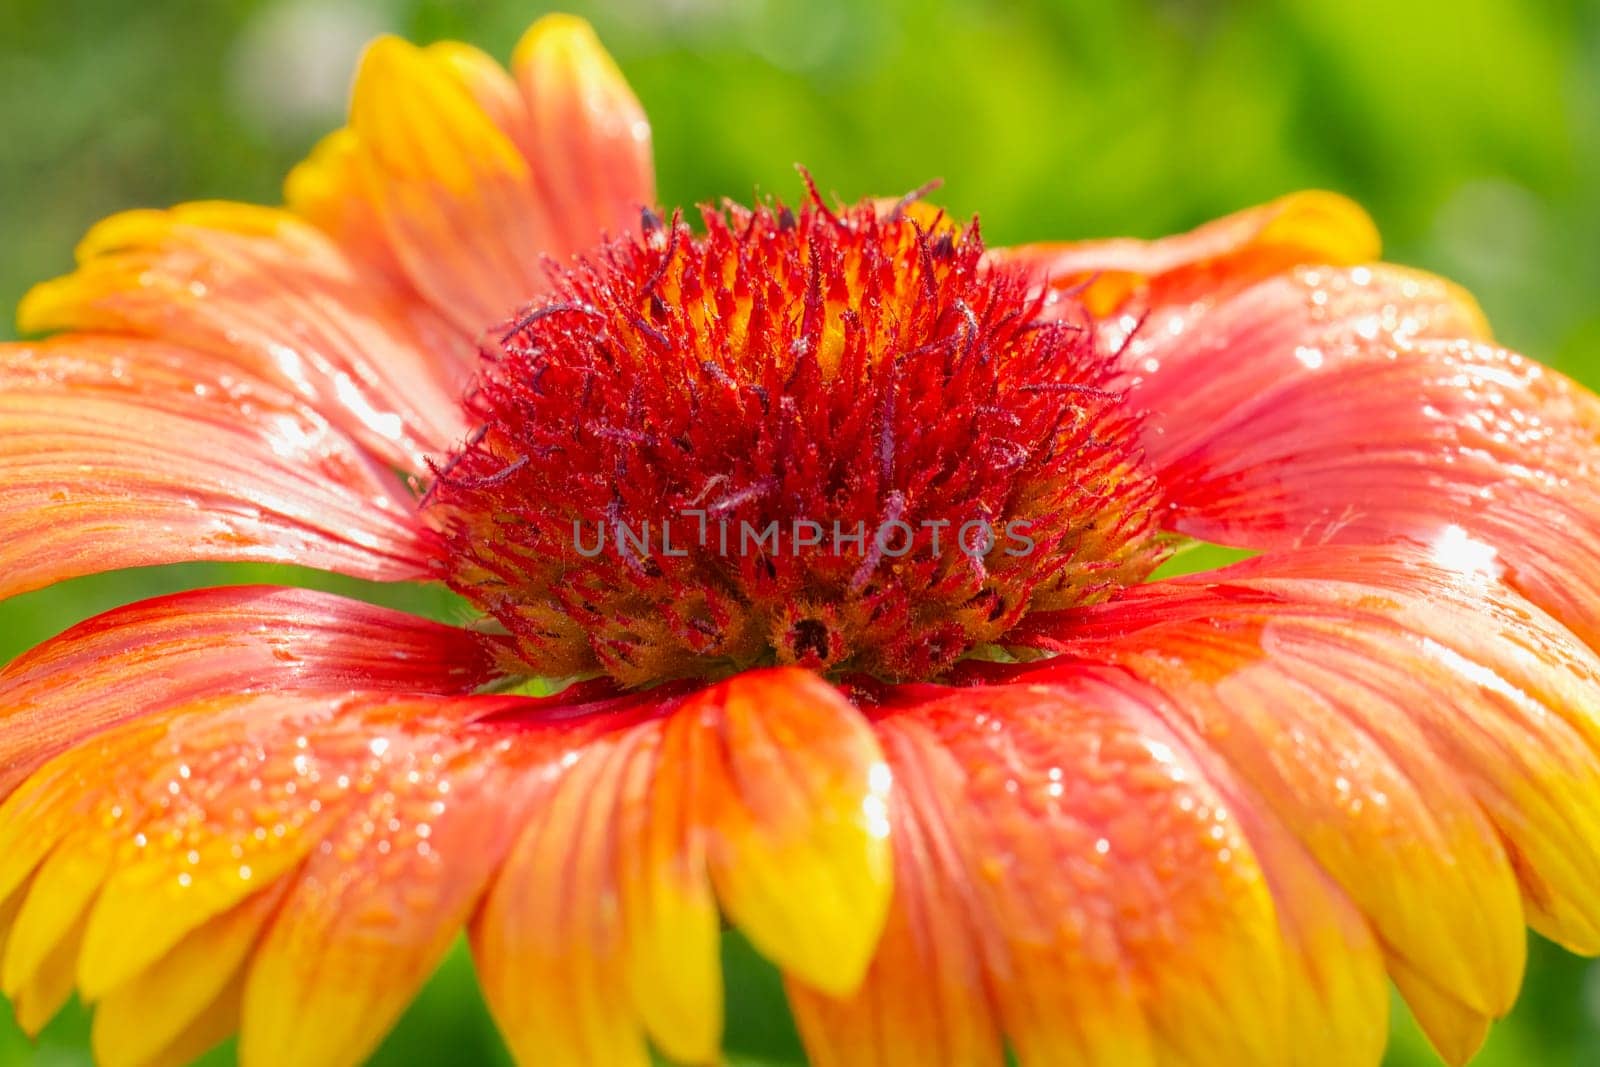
847, 524
839, 418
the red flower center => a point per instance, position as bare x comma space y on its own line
832, 439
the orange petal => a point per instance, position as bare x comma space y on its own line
1307, 227
589, 141
452, 191
601, 928
462, 180
105, 464
1525, 737
669, 913
257, 289
1331, 746
924, 999
154, 654
1350, 686
429, 808
1047, 936
1335, 982
549, 941
183, 814
379, 817
388, 849
59, 799
1120, 914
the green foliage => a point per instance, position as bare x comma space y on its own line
1470, 128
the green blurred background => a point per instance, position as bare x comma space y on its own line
1471, 129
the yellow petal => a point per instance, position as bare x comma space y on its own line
1455, 1030
797, 817
53, 912
153, 1012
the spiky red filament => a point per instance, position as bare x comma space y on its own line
831, 439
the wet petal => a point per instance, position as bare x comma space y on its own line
427, 818
1427, 734
256, 290
377, 818
120, 453
798, 851
924, 999
155, 654
549, 942
1074, 852
768, 788
1334, 406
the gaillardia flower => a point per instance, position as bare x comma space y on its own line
845, 527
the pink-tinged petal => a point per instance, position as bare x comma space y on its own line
155, 654
1350, 686
1205, 361
768, 787
1322, 739
1326, 407
106, 463
1118, 909
259, 290
587, 137
1307, 227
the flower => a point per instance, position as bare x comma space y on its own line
999, 789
